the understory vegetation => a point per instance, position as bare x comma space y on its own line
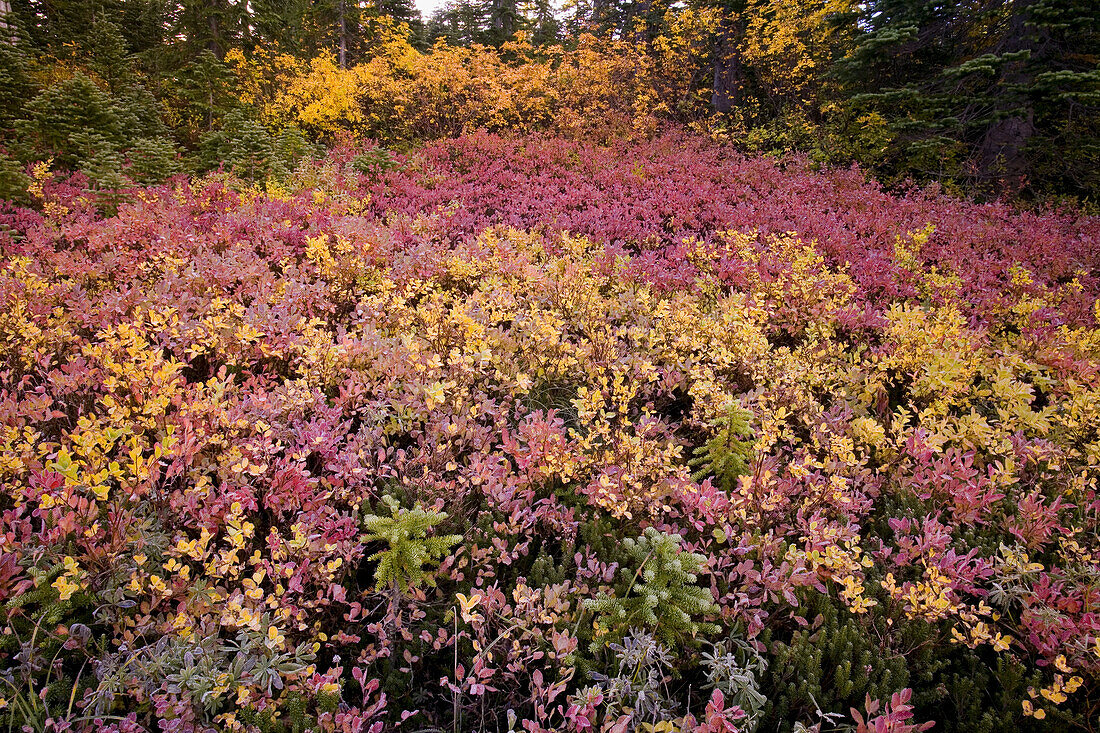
527, 433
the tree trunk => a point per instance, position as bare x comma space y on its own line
7, 30
1003, 158
215, 43
246, 27
1002, 155
502, 20
343, 31
599, 13
636, 23
727, 64
508, 21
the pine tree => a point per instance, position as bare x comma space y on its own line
290, 148
101, 161
66, 29
17, 86
994, 82
14, 181
728, 75
503, 20
213, 25
285, 24
108, 55
153, 160
541, 19
403, 11
241, 145
459, 23
140, 114
68, 108
201, 95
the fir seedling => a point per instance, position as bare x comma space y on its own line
53, 120
375, 163
153, 161
409, 550
291, 147
14, 181
658, 591
242, 145
726, 455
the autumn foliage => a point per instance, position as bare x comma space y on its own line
596, 89
529, 434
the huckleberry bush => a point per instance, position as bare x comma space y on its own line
526, 343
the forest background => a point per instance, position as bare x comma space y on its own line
988, 97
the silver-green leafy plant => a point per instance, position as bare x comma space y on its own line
735, 667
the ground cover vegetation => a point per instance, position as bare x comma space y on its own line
532, 434
610, 366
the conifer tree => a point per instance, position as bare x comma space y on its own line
657, 590
994, 83
241, 145
70, 107
17, 85
726, 454
213, 25
101, 161
108, 55
200, 95
409, 551
153, 160
290, 148
14, 182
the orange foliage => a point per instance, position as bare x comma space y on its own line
603, 87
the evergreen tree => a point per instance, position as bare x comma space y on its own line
725, 456
409, 551
153, 160
64, 110
727, 78
994, 81
503, 21
241, 145
213, 25
107, 53
139, 113
657, 591
459, 23
66, 28
284, 24
291, 147
201, 93
101, 162
17, 86
494, 22
403, 11
542, 20
14, 182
